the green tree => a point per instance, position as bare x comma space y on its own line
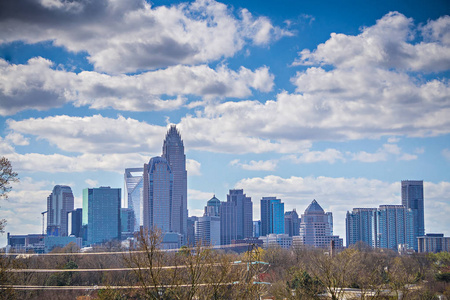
7, 176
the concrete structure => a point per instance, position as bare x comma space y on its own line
236, 217
394, 227
207, 231
59, 203
101, 214
158, 182
412, 198
433, 242
291, 223
173, 152
276, 240
361, 226
134, 193
272, 216
316, 228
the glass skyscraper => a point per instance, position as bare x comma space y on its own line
101, 214
173, 152
158, 201
272, 216
134, 192
59, 203
361, 225
236, 217
395, 227
412, 198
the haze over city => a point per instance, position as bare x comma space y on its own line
299, 100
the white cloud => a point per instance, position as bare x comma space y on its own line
328, 155
382, 154
91, 182
340, 195
36, 85
446, 154
193, 167
253, 165
17, 139
200, 196
133, 35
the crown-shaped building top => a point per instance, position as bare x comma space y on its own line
173, 136
314, 208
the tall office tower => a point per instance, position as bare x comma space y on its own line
101, 214
158, 202
59, 203
127, 223
395, 227
76, 221
134, 188
207, 231
236, 217
272, 216
361, 225
190, 236
291, 223
256, 228
212, 207
316, 229
412, 197
173, 152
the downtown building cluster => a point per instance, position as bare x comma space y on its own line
156, 198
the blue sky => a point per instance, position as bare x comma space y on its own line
336, 101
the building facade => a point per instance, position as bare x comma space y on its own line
395, 227
157, 203
433, 242
134, 191
236, 217
291, 223
207, 231
361, 226
59, 203
101, 214
316, 228
412, 198
173, 152
76, 222
272, 216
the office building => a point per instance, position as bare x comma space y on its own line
291, 223
75, 218
412, 198
127, 223
158, 204
134, 186
59, 203
276, 240
395, 227
361, 226
207, 231
190, 236
236, 217
272, 216
256, 229
101, 214
433, 242
212, 207
173, 152
316, 228
25, 243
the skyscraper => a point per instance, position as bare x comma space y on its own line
272, 216
236, 217
101, 214
412, 198
59, 203
291, 223
395, 227
361, 225
316, 227
134, 192
173, 152
158, 201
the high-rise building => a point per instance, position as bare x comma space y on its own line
412, 198
316, 228
134, 189
236, 217
158, 201
190, 236
101, 214
291, 223
433, 242
361, 226
173, 152
256, 229
272, 216
212, 207
59, 203
76, 222
395, 227
207, 231
127, 223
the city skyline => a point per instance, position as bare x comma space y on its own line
301, 101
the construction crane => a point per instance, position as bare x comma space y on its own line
43, 213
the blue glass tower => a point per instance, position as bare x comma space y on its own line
272, 216
101, 214
412, 198
360, 225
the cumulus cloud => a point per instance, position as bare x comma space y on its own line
328, 155
36, 85
340, 195
382, 154
132, 35
193, 167
253, 165
17, 139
